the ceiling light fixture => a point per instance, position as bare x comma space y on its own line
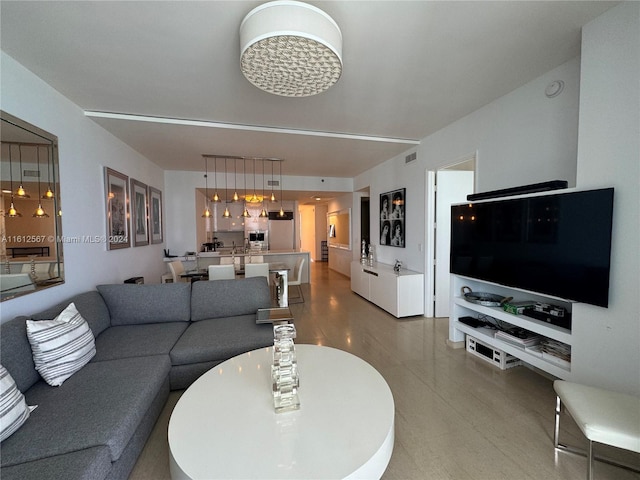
48, 195
245, 212
273, 197
21, 191
12, 212
290, 48
281, 212
207, 210
263, 213
226, 213
216, 197
39, 213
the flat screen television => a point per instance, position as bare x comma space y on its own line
557, 244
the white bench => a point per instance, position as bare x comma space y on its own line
603, 416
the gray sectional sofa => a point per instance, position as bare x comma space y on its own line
149, 339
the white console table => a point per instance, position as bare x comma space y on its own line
399, 293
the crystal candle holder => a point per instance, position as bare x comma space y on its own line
284, 371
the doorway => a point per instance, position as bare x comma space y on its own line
447, 185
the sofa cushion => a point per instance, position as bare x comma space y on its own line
228, 298
16, 355
61, 346
220, 339
130, 303
102, 404
88, 464
14, 410
138, 340
90, 305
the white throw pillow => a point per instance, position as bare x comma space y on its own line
61, 346
14, 410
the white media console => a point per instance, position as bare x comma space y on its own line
399, 293
461, 308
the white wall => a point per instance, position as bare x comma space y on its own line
84, 149
521, 138
607, 352
340, 258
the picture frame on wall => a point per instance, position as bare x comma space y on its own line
393, 218
155, 216
117, 209
139, 220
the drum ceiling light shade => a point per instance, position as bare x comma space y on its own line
290, 48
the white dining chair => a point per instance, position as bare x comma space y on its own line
295, 280
222, 272
177, 269
256, 270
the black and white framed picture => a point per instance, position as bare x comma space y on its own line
117, 204
155, 215
139, 223
392, 218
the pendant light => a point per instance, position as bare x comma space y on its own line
254, 197
48, 195
226, 213
207, 211
39, 213
235, 182
281, 212
216, 197
273, 197
245, 212
21, 191
263, 213
12, 212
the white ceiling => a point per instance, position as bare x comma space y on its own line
410, 68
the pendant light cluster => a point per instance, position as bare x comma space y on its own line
21, 192
254, 197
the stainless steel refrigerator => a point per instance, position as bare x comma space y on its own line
281, 235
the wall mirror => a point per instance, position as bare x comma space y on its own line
339, 229
30, 220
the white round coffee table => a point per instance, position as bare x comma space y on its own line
225, 426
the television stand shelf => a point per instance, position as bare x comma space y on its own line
461, 308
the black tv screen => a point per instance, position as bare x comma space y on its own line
557, 244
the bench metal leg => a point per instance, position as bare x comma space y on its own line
591, 458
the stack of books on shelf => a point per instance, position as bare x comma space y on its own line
556, 352
518, 336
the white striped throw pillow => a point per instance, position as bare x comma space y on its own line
61, 346
14, 410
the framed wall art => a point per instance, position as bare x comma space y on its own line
117, 209
139, 223
155, 215
392, 218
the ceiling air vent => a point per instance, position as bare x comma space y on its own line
273, 183
410, 158
31, 173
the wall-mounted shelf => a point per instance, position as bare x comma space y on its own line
461, 308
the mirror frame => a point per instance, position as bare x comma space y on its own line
8, 124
